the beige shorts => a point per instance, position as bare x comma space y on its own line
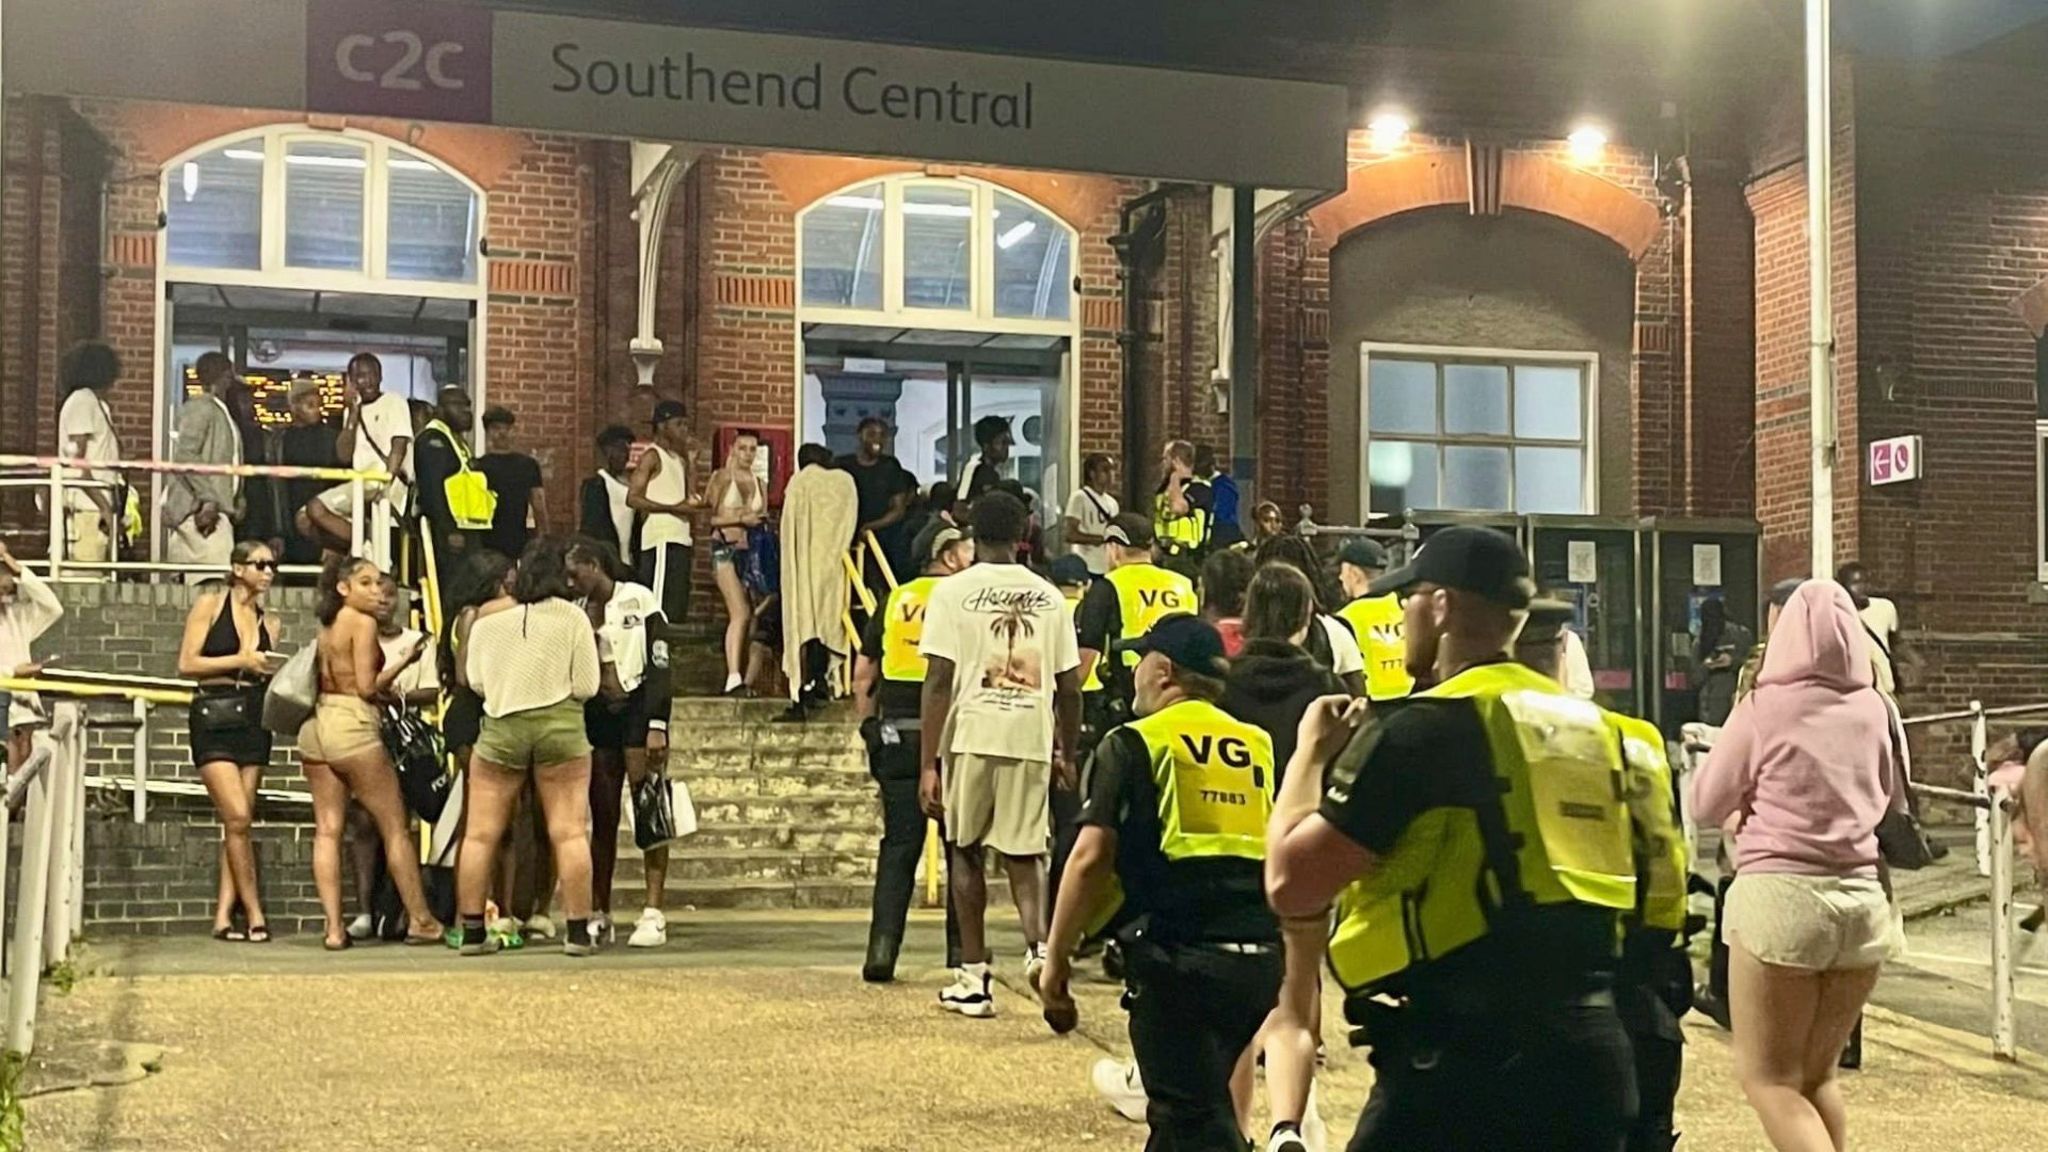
1819, 923
342, 728
341, 499
997, 802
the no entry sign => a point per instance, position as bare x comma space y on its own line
1894, 460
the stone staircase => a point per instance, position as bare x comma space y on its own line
787, 813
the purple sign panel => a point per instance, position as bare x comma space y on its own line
399, 58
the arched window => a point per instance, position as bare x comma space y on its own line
321, 209
951, 249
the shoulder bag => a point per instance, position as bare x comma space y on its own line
417, 755
288, 703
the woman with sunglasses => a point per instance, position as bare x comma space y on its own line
229, 647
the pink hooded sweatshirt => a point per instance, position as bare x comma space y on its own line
1806, 758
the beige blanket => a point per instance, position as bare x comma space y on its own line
820, 511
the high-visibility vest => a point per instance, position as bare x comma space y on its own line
1213, 777
471, 502
1145, 595
1563, 835
1376, 621
1178, 534
1094, 681
903, 630
1662, 862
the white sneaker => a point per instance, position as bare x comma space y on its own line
1314, 1132
970, 993
1034, 963
1118, 1082
360, 928
1287, 1142
601, 929
650, 931
540, 928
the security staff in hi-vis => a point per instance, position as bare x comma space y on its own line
1070, 575
888, 687
1374, 620
1136, 594
1477, 847
1653, 988
1183, 510
1173, 829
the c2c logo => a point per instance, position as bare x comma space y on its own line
415, 65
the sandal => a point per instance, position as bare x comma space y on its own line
260, 934
347, 943
415, 940
229, 934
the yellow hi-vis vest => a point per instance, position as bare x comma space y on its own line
1563, 836
1213, 775
1662, 862
1145, 595
1179, 534
1376, 621
470, 499
1094, 681
903, 630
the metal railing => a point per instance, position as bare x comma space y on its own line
368, 536
1980, 719
48, 912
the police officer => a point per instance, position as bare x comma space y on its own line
888, 689
1653, 988
1374, 620
1123, 605
1478, 849
1172, 833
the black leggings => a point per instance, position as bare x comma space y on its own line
607, 783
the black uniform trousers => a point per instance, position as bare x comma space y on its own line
1194, 1009
1559, 1078
894, 767
1098, 716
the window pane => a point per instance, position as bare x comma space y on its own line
843, 250
1549, 403
1403, 476
1401, 396
434, 223
215, 208
938, 258
1476, 479
1475, 400
323, 204
1033, 261
1549, 480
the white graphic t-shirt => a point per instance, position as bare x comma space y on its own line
1009, 634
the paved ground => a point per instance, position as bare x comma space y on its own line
749, 1032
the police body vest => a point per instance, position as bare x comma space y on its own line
471, 503
903, 631
1376, 621
1560, 835
1179, 533
1661, 858
1213, 777
1146, 594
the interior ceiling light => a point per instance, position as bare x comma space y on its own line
1587, 142
1389, 130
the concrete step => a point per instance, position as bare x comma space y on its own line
691, 865
808, 810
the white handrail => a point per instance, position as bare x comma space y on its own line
49, 910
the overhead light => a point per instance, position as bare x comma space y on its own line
1587, 142
1389, 130
411, 165
191, 180
1014, 233
243, 154
862, 203
355, 162
918, 208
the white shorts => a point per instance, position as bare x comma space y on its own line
340, 499
1819, 923
997, 802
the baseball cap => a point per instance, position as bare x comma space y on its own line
1129, 529
1477, 560
1362, 552
936, 538
1189, 641
668, 410
1069, 570
1781, 592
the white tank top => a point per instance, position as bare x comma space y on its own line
671, 485
732, 502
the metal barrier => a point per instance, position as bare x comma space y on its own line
49, 901
1980, 719
56, 473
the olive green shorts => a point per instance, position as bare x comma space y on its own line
536, 737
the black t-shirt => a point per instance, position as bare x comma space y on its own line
1098, 623
307, 446
1216, 899
1433, 753
895, 699
513, 476
876, 484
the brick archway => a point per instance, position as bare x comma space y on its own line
1487, 180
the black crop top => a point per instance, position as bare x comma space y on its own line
223, 639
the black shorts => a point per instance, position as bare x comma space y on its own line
463, 721
624, 726
245, 745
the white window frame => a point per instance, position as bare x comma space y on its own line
272, 271
2040, 503
1589, 413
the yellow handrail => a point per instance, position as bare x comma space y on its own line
882, 559
860, 588
93, 691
